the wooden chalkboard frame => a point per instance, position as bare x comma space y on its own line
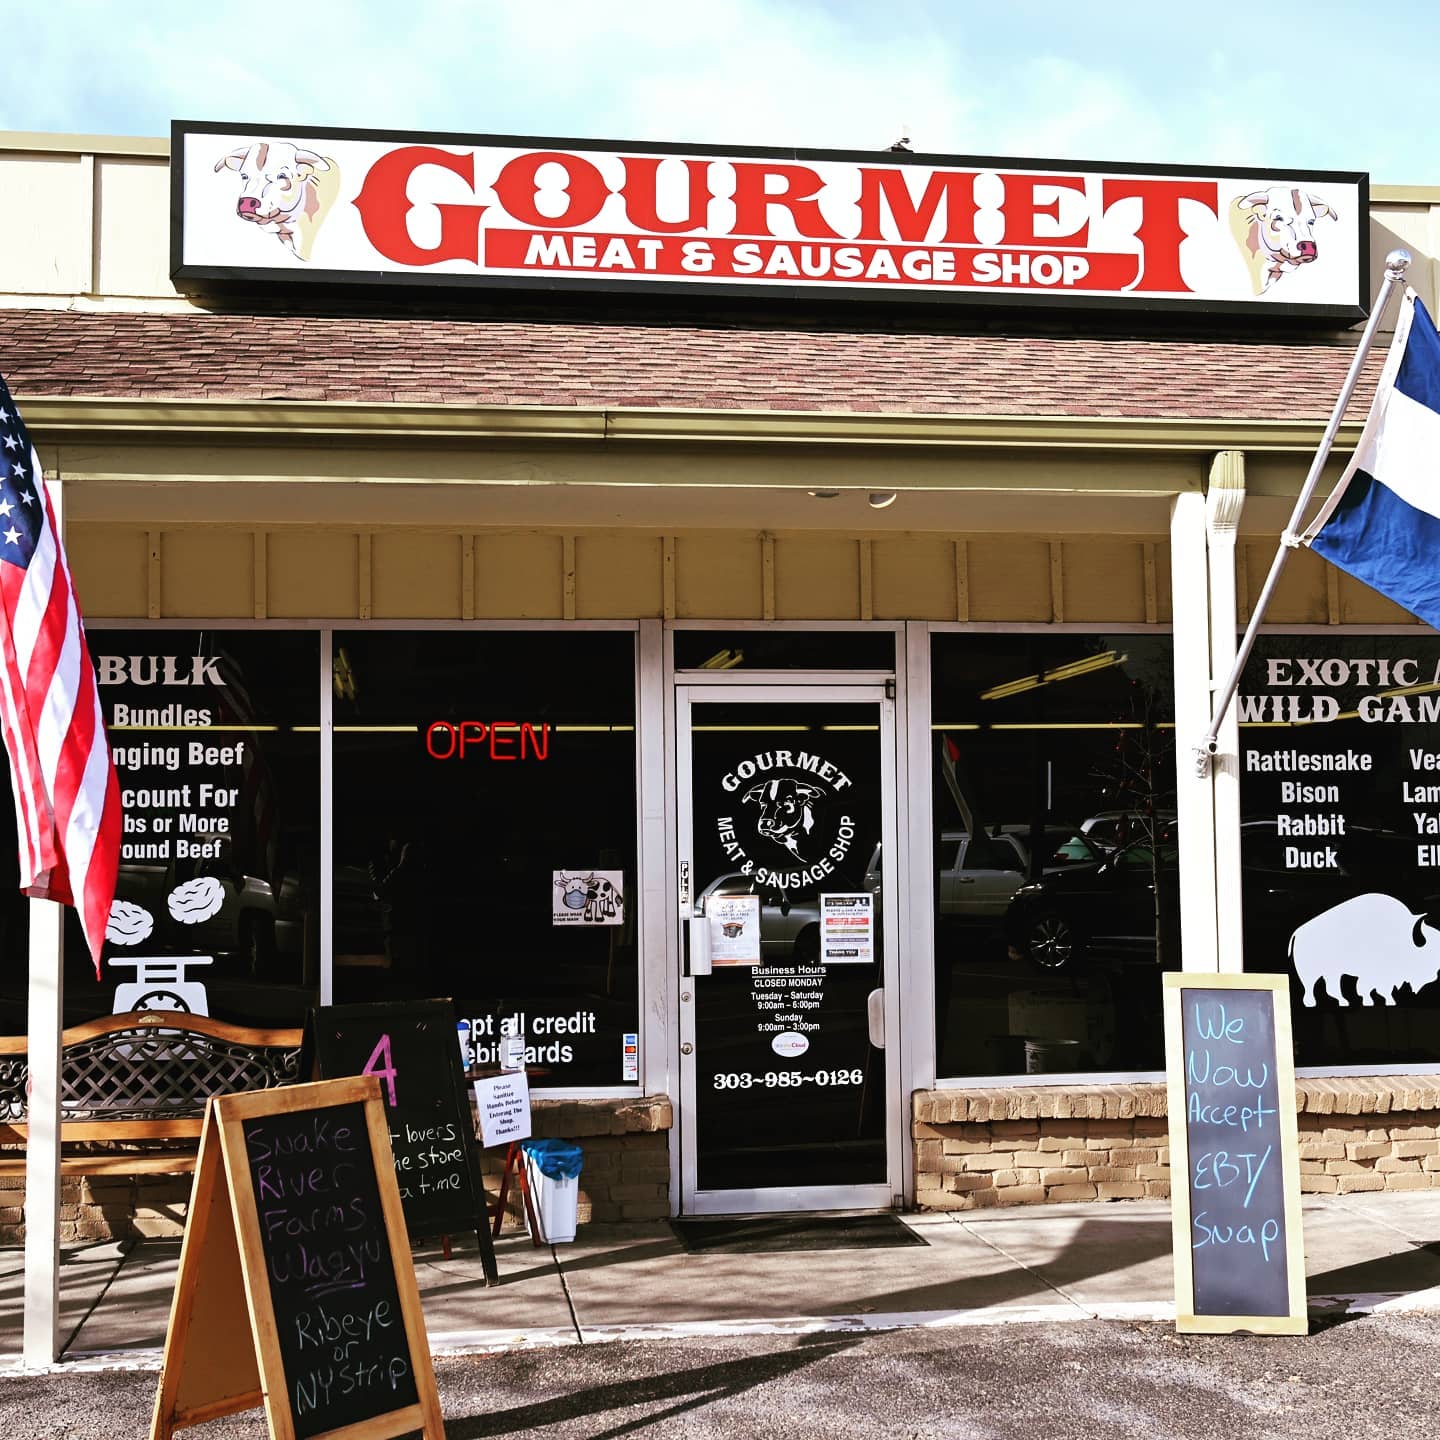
440, 1012
1296, 1321
223, 1281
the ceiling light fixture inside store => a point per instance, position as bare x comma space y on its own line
879, 499
822, 494
1087, 666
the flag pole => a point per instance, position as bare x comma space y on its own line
1396, 263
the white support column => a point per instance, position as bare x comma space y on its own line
657, 990
44, 1025
42, 1150
1223, 506
1190, 605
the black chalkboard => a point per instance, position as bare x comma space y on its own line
411, 1048
1235, 1157
295, 1289
338, 1320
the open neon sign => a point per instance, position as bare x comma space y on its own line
497, 740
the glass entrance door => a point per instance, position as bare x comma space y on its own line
786, 806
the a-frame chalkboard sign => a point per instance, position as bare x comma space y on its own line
295, 1239
1234, 1155
411, 1048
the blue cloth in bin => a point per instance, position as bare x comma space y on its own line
559, 1159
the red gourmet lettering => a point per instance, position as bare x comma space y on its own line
914, 221
753, 199
1160, 231
641, 205
1020, 209
517, 187
385, 207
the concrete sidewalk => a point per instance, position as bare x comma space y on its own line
1053, 1263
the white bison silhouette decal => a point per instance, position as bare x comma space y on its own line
1376, 939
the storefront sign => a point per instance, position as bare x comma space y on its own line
493, 740
1234, 1155
355, 207
847, 929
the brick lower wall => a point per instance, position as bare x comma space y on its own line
625, 1176
1031, 1145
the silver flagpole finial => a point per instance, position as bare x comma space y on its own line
1397, 262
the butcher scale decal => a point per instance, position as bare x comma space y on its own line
792, 816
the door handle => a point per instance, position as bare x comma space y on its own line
875, 1017
699, 945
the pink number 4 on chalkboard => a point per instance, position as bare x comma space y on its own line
386, 1071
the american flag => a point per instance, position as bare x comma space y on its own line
67, 804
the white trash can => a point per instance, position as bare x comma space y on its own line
556, 1203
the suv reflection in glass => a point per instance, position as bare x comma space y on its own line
1120, 906
980, 874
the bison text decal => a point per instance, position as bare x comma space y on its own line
788, 802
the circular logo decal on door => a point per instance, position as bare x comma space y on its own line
789, 1044
788, 824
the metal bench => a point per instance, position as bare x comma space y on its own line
134, 1086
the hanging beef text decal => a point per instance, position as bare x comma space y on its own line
349, 206
786, 826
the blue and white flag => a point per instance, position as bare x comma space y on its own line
1382, 522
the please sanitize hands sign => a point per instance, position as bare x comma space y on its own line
273, 203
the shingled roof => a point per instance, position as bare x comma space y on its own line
230, 356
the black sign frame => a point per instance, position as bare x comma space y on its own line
825, 297
1225, 1083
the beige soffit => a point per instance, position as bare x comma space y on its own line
54, 419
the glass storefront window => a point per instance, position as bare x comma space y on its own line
1340, 840
1056, 902
486, 837
215, 737
782, 649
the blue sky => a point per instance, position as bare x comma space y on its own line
1327, 85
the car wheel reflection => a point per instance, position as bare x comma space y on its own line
1051, 942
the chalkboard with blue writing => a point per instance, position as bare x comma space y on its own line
412, 1049
1233, 1154
296, 1235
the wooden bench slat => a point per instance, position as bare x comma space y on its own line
178, 1162
180, 1129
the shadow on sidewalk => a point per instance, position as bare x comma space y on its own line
689, 1388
